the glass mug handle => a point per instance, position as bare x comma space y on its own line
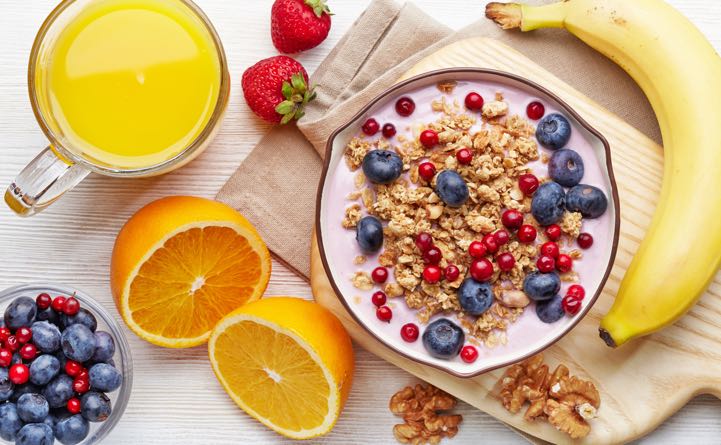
42, 182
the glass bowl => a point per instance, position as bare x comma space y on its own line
122, 357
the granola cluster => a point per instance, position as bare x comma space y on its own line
502, 146
422, 410
567, 402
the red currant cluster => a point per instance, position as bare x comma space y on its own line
371, 127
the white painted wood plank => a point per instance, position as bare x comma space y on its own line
176, 398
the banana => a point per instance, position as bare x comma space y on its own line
680, 72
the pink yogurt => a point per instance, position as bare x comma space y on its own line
528, 332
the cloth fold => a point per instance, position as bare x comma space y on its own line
275, 186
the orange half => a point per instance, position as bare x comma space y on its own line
180, 264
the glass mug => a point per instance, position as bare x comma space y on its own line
124, 88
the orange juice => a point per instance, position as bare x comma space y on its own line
130, 83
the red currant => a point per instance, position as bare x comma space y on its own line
528, 184
84, 375
58, 304
512, 219
464, 156
585, 241
576, 290
535, 110
469, 354
379, 275
427, 171
551, 249
6, 358
429, 138
482, 270
28, 351
571, 305
43, 301
19, 373
12, 343
564, 263
432, 256
432, 274
389, 130
73, 405
477, 250
546, 264
491, 243
73, 368
405, 106
371, 127
424, 241
452, 273
24, 335
81, 386
553, 232
409, 332
5, 333
527, 234
474, 101
505, 261
384, 313
502, 237
379, 298
71, 307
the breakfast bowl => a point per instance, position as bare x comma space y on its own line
409, 218
121, 358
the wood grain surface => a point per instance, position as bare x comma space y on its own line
176, 399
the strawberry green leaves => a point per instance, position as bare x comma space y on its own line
319, 7
296, 94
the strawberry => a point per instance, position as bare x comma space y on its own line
298, 25
276, 89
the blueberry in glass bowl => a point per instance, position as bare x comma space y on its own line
65, 367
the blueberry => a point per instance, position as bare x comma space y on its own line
72, 430
78, 342
541, 286
10, 422
475, 297
548, 203
553, 131
50, 421
16, 359
59, 391
588, 200
443, 339
43, 369
84, 317
6, 386
33, 408
566, 167
104, 347
21, 390
46, 336
35, 434
550, 311
21, 312
369, 234
451, 188
48, 314
382, 166
105, 377
96, 406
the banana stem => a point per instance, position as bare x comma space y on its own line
526, 17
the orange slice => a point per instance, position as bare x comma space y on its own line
285, 361
180, 264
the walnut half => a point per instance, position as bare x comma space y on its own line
568, 402
421, 408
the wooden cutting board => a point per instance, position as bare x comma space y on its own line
642, 383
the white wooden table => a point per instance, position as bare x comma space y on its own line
176, 399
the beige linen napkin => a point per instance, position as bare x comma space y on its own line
275, 187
